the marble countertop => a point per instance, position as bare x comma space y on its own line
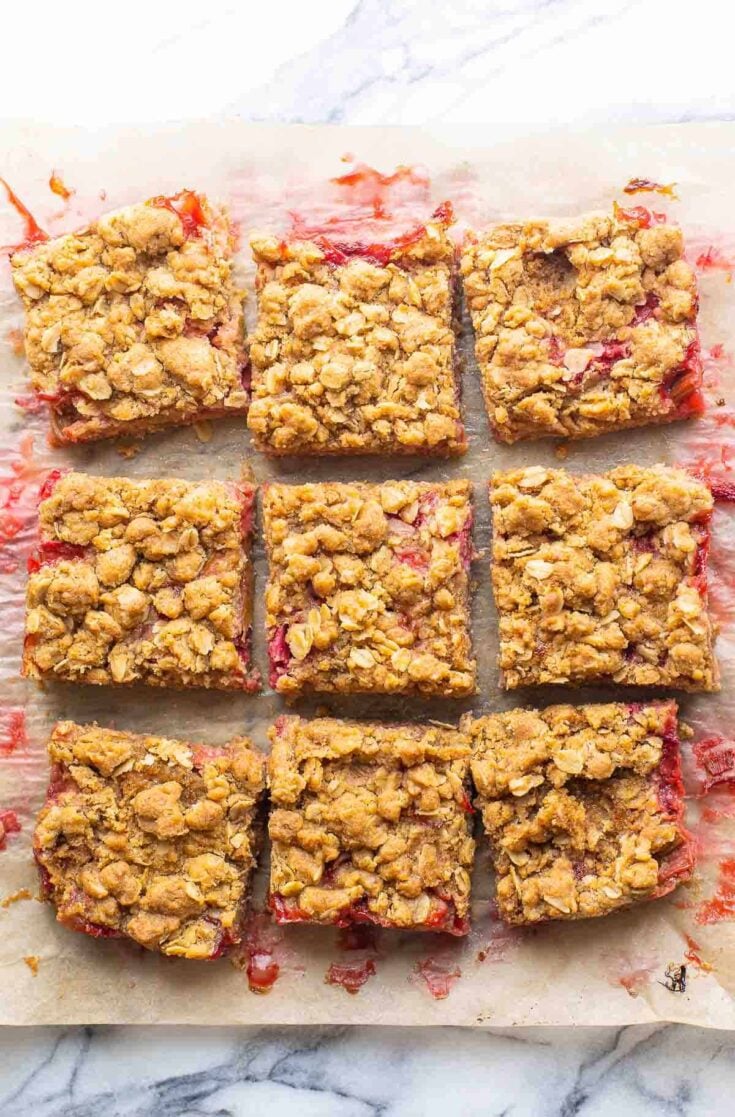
510, 66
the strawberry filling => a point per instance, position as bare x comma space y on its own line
339, 252
279, 654
642, 217
646, 310
683, 385
188, 208
442, 918
48, 554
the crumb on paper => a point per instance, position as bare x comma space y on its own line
58, 186
16, 897
32, 961
127, 449
203, 430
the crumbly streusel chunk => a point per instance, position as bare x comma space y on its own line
368, 587
370, 823
149, 837
584, 326
353, 353
142, 581
583, 807
603, 577
134, 322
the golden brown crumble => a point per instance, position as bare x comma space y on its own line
368, 587
134, 322
142, 581
370, 823
149, 837
359, 356
603, 577
583, 326
583, 807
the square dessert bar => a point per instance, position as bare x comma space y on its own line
368, 587
141, 581
584, 325
150, 838
370, 824
134, 323
354, 348
583, 807
603, 578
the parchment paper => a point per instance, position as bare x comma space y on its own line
609, 971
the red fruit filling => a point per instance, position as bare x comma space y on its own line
683, 385
262, 971
337, 252
47, 554
279, 654
641, 185
643, 217
443, 918
188, 208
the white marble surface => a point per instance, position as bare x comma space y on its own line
510, 67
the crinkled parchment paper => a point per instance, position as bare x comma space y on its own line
609, 971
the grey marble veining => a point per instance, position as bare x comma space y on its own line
330, 1072
511, 67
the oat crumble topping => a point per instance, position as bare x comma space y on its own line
356, 356
134, 322
584, 325
142, 581
150, 837
583, 807
603, 577
370, 823
368, 587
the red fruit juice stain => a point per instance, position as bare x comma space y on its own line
9, 824
713, 259
693, 954
13, 734
438, 976
721, 907
33, 233
351, 976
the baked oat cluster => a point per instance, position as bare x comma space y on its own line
141, 581
134, 322
149, 837
584, 326
603, 577
368, 587
370, 823
354, 353
583, 807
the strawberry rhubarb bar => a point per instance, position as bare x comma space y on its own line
583, 807
354, 348
134, 322
141, 581
602, 578
584, 325
368, 587
150, 838
370, 824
